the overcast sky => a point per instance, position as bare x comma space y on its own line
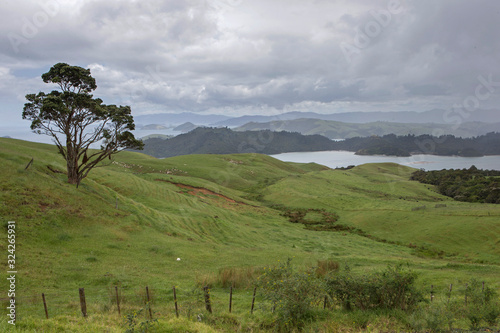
240, 57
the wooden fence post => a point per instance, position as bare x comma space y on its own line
45, 306
83, 304
324, 302
466, 288
230, 299
253, 299
117, 299
29, 164
208, 306
432, 293
449, 293
175, 302
149, 305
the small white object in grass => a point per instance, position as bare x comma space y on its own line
178, 259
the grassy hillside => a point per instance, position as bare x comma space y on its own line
129, 221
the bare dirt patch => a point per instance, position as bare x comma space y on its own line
201, 191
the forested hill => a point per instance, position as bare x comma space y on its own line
206, 140
447, 145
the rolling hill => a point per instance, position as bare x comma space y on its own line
130, 220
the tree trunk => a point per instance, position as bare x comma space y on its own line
72, 165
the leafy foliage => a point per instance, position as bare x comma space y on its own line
470, 185
390, 289
292, 295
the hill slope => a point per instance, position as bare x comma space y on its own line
130, 220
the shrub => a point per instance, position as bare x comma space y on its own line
292, 295
481, 304
390, 289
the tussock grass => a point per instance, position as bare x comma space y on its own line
237, 277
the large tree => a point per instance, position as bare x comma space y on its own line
76, 120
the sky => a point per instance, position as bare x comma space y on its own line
246, 57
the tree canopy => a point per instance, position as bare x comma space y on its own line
76, 120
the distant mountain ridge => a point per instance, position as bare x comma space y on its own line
436, 116
341, 130
176, 119
433, 116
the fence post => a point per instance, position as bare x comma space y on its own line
449, 293
253, 299
149, 305
175, 302
45, 306
83, 304
432, 293
29, 164
466, 288
230, 299
117, 299
324, 302
208, 306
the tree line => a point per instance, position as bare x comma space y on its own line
471, 185
406, 145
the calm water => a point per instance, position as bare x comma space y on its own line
335, 159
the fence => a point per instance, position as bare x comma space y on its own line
173, 301
160, 302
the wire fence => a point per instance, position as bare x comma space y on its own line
175, 301
162, 302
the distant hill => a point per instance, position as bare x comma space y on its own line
186, 127
340, 130
407, 117
176, 119
225, 141
151, 127
435, 116
207, 140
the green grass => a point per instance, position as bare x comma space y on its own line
128, 222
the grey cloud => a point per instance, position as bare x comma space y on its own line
240, 54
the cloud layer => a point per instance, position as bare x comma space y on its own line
259, 57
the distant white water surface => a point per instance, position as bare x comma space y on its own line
334, 159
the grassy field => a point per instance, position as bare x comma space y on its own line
129, 222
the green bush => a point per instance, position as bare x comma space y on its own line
481, 304
392, 288
292, 296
